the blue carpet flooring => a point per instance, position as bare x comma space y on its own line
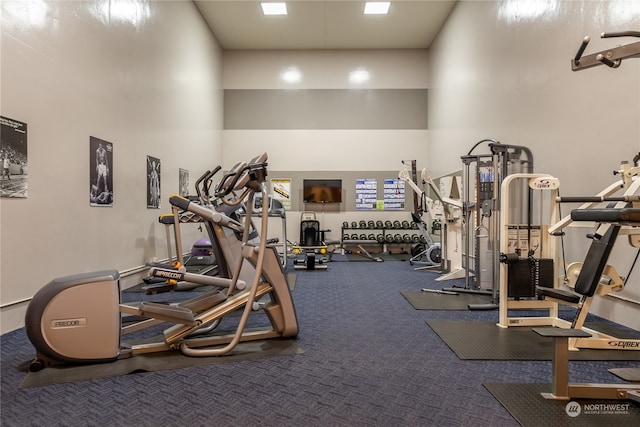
369, 359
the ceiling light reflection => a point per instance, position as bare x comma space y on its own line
25, 14
513, 11
623, 12
134, 12
291, 75
359, 76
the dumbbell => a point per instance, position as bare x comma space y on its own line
371, 224
379, 224
388, 224
406, 238
345, 224
371, 237
397, 238
405, 225
396, 224
362, 224
380, 238
354, 224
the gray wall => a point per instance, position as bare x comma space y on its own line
325, 109
134, 77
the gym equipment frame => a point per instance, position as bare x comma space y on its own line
562, 389
449, 211
77, 319
482, 175
604, 281
588, 280
526, 247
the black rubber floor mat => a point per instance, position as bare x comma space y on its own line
421, 300
530, 409
628, 374
487, 341
163, 361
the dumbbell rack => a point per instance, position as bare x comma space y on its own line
381, 234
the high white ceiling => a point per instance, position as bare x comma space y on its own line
333, 24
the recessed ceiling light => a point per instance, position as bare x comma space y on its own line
376, 7
274, 8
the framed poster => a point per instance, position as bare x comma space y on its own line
153, 183
100, 172
366, 194
281, 190
13, 158
183, 182
394, 194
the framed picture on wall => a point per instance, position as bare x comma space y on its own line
153, 182
100, 172
393, 194
281, 190
366, 193
183, 182
13, 158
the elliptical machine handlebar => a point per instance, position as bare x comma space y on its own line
253, 174
206, 183
229, 180
243, 175
197, 185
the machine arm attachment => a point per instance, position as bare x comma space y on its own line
610, 57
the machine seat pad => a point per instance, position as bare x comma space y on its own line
167, 219
559, 294
177, 312
625, 216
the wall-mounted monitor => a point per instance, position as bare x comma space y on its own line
322, 191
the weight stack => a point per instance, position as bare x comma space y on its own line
524, 274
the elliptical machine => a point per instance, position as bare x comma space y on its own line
77, 319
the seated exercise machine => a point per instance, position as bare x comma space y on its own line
595, 277
587, 283
78, 319
550, 290
592, 272
312, 244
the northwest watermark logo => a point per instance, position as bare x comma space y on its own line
573, 409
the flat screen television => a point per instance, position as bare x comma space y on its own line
322, 191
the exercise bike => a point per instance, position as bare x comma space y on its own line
78, 319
